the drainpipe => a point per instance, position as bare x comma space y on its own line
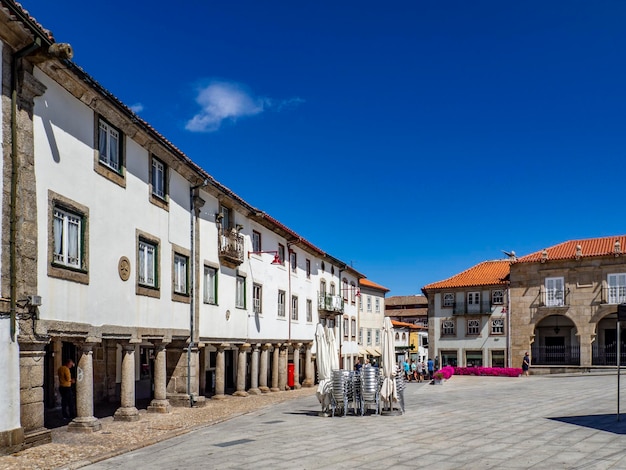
341, 321
58, 50
194, 204
508, 326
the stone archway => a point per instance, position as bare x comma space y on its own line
604, 348
556, 341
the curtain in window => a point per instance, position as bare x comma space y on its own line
58, 236
102, 143
114, 160
142, 263
73, 241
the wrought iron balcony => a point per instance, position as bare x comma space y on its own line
330, 303
614, 295
231, 248
555, 298
461, 308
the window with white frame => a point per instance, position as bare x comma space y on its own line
240, 292
447, 327
293, 261
109, 146
159, 178
473, 326
281, 303
257, 298
210, 285
322, 287
147, 263
308, 269
180, 274
294, 307
497, 326
352, 292
377, 305
497, 296
448, 299
369, 303
332, 289
353, 327
617, 288
369, 336
344, 289
256, 241
377, 337
67, 228
473, 302
360, 335
555, 291
309, 310
346, 327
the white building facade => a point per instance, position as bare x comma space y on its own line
121, 253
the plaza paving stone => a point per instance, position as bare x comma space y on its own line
536, 422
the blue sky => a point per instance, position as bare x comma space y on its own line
411, 139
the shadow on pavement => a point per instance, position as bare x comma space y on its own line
607, 422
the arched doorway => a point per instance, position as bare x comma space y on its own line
605, 346
556, 342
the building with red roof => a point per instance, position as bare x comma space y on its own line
564, 302
467, 316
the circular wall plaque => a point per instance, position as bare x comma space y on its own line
123, 267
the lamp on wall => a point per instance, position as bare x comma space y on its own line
544, 255
276, 259
556, 325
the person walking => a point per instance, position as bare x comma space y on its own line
526, 364
420, 371
431, 368
65, 389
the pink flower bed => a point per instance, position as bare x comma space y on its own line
489, 371
446, 372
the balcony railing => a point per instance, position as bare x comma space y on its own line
231, 248
461, 308
614, 295
607, 355
330, 303
556, 355
555, 298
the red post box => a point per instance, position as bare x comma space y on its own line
290, 375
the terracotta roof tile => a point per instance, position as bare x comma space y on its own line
406, 300
372, 285
589, 247
487, 273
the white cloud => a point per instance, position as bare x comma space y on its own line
221, 101
136, 108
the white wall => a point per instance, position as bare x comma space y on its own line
10, 384
64, 152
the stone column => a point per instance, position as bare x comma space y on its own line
242, 366
85, 420
160, 403
309, 380
275, 368
127, 411
220, 372
31, 412
254, 372
296, 366
282, 367
264, 369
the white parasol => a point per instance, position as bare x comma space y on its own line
323, 367
388, 390
332, 349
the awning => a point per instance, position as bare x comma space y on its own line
374, 352
363, 352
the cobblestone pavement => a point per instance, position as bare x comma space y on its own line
75, 450
537, 422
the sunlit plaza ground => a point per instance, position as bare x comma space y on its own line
467, 423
